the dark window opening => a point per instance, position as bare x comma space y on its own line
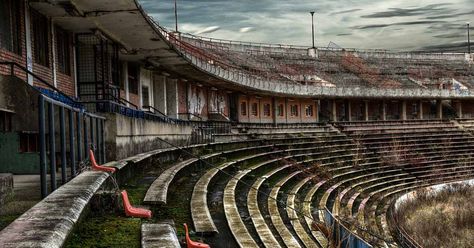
145, 96
132, 79
63, 51
294, 110
29, 142
10, 26
254, 109
243, 108
280, 110
40, 37
309, 110
5, 121
266, 110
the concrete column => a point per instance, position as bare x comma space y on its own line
420, 110
334, 110
384, 111
404, 110
53, 53
29, 49
172, 97
159, 92
459, 109
366, 110
439, 109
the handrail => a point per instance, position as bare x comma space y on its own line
155, 109
191, 114
28, 72
122, 100
405, 239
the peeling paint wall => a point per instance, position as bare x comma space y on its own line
197, 100
146, 79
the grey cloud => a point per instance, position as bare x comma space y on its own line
399, 12
397, 24
345, 11
389, 24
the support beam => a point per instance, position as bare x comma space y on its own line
439, 109
420, 110
316, 111
384, 110
334, 110
404, 110
366, 110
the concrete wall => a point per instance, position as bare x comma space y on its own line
127, 136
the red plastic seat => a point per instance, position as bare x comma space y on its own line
97, 167
193, 244
133, 211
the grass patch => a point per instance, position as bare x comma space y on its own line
112, 229
106, 231
441, 219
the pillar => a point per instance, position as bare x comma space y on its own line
384, 111
159, 92
420, 110
172, 97
459, 109
439, 109
404, 110
366, 110
334, 110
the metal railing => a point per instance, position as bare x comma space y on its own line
13, 65
401, 235
343, 235
84, 130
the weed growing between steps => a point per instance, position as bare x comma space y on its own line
113, 229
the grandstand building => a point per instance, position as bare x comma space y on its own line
103, 72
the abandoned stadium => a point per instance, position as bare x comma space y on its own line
249, 144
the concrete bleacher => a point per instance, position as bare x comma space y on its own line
271, 190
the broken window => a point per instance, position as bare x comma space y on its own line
294, 110
63, 51
28, 142
40, 38
309, 110
132, 79
266, 110
255, 109
145, 96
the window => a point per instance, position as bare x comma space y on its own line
243, 108
294, 110
254, 109
309, 110
29, 142
41, 38
5, 121
145, 96
10, 26
280, 110
132, 79
266, 110
63, 52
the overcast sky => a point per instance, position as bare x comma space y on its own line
384, 24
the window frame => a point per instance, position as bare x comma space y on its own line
13, 9
63, 51
254, 109
243, 108
267, 110
309, 108
41, 38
